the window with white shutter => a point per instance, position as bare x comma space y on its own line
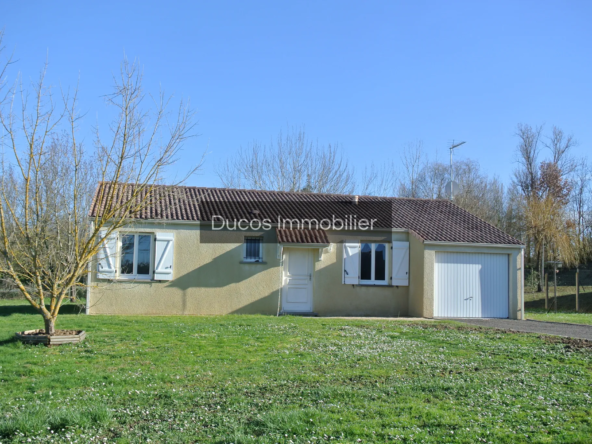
163, 257
373, 264
135, 256
400, 263
351, 262
106, 256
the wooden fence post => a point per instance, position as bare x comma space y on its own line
577, 290
546, 291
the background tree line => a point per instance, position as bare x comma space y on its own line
547, 204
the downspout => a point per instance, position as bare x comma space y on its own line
89, 268
281, 267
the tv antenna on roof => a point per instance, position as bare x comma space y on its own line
452, 186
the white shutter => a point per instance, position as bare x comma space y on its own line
163, 260
106, 255
351, 262
400, 263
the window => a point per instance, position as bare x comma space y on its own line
136, 256
252, 249
373, 263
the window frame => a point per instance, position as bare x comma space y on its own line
253, 260
135, 276
373, 280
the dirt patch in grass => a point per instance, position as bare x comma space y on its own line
471, 328
570, 343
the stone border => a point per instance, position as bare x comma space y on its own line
29, 337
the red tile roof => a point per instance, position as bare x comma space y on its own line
301, 236
431, 220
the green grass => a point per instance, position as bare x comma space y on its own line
247, 379
566, 304
568, 318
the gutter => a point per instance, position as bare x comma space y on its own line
474, 244
285, 244
273, 225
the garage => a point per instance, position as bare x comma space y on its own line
471, 285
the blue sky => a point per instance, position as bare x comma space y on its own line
371, 76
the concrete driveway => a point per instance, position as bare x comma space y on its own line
547, 328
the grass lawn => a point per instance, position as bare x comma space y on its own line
567, 317
566, 304
242, 379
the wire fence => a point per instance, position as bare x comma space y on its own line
565, 277
573, 291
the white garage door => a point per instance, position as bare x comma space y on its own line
471, 285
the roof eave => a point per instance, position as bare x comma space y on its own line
290, 244
475, 244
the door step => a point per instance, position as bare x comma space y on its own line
299, 313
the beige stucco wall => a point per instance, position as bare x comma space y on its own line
209, 278
332, 298
416, 277
515, 275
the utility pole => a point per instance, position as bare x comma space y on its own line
451, 173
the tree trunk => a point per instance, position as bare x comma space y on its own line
49, 326
540, 279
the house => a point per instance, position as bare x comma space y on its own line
210, 251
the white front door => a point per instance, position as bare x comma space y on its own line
471, 285
297, 289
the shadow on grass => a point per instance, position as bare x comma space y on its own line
11, 340
565, 303
7, 310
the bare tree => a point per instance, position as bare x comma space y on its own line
292, 163
581, 209
513, 221
380, 180
546, 189
560, 146
46, 241
433, 179
526, 176
479, 194
413, 161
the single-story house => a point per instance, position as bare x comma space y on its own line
213, 251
